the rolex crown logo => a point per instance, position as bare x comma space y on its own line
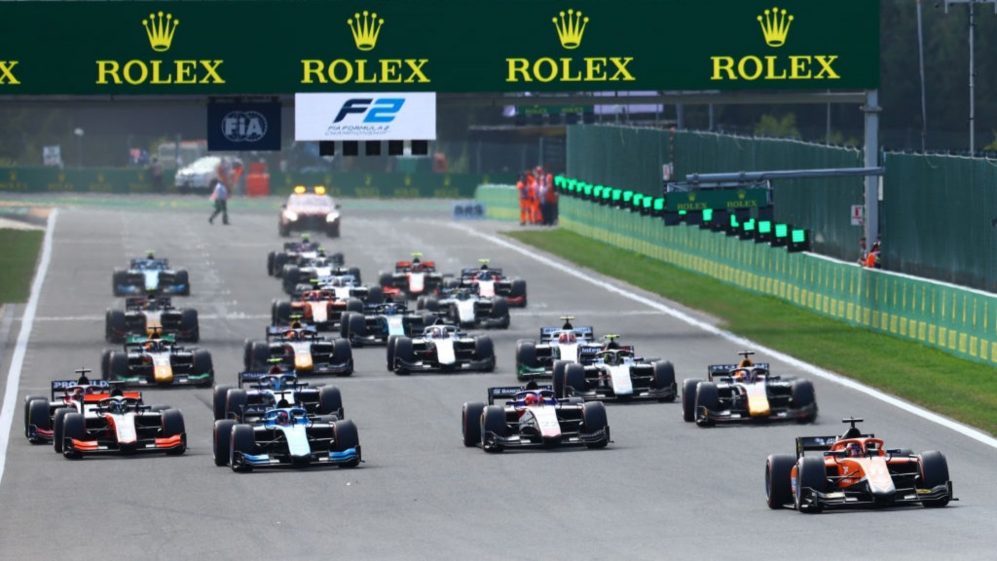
741, 194
692, 196
570, 28
160, 28
775, 26
365, 29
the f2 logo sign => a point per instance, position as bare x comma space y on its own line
381, 110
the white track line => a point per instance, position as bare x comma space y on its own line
21, 347
956, 426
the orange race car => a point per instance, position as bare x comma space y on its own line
855, 469
321, 307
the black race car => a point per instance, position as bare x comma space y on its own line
157, 361
300, 348
144, 316
617, 373
440, 348
150, 275
379, 322
258, 392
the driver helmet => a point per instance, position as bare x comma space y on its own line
151, 345
291, 334
438, 332
566, 337
304, 238
150, 255
283, 418
390, 309
275, 369
531, 398
741, 374
853, 449
117, 406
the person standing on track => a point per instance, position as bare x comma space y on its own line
220, 196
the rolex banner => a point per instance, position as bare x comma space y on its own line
365, 116
267, 47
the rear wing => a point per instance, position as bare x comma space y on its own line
278, 331
63, 385
251, 378
581, 331
819, 443
725, 369
509, 392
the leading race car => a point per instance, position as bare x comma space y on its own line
286, 436
43, 413
855, 470
440, 348
295, 253
309, 211
258, 392
746, 392
122, 424
411, 279
617, 373
533, 417
144, 316
158, 361
379, 322
300, 348
464, 307
150, 275
307, 272
490, 281
557, 345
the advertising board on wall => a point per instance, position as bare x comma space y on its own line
365, 116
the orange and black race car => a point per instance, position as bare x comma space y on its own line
855, 470
321, 307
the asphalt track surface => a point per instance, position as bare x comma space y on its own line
663, 489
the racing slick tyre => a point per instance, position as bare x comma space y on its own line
707, 396
385, 279
375, 295
344, 437
27, 402
470, 420
332, 230
243, 441
189, 325
37, 414
934, 471
115, 329
664, 378
594, 419
204, 365
342, 353
290, 279
390, 351
573, 380
118, 278
218, 397
270, 260
256, 355
355, 271
557, 374
183, 279
354, 305
280, 312
279, 259
355, 326
173, 425
117, 366
500, 313
689, 399
235, 402
403, 352
493, 423
778, 487
73, 426
526, 357
518, 290
803, 396
484, 349
429, 303
339, 259
58, 436
810, 473
283, 230
221, 441
330, 402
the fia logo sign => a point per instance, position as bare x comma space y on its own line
244, 126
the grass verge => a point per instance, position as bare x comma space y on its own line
960, 389
18, 255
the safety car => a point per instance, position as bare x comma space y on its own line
309, 211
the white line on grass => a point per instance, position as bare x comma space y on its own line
956, 426
21, 347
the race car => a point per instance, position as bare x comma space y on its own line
144, 316
489, 281
378, 322
440, 348
557, 345
533, 417
855, 470
308, 272
286, 436
295, 253
43, 413
300, 348
466, 308
122, 424
309, 211
618, 374
746, 392
321, 307
411, 279
157, 361
258, 392
150, 275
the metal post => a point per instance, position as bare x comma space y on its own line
712, 118
924, 101
972, 80
680, 116
871, 110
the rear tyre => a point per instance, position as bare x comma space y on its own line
557, 378
778, 487
280, 312
593, 420
330, 402
242, 441
117, 364
189, 326
173, 425
116, 328
38, 415
183, 279
708, 397
354, 305
934, 471
118, 278
375, 295
73, 426
404, 353
235, 403
218, 397
342, 353
221, 441
689, 399
810, 473
356, 326
385, 279
526, 357
470, 420
664, 379
500, 313
484, 350
493, 424
519, 290
204, 365
355, 271
58, 424
390, 351
803, 396
290, 279
270, 262
574, 380
344, 434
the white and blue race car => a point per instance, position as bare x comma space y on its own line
150, 275
379, 322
